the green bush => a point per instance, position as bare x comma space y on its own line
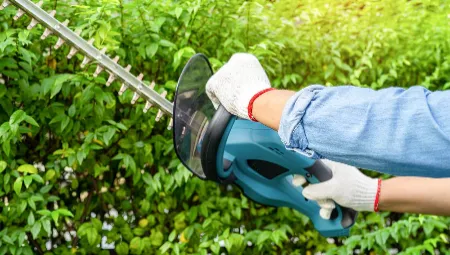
86, 172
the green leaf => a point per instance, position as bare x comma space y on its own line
172, 235
21, 238
55, 217
72, 110
4, 128
122, 248
18, 185
47, 226
31, 121
50, 174
151, 49
108, 135
44, 212
58, 82
37, 178
178, 12
263, 237
8, 239
45, 189
165, 247
166, 43
65, 121
6, 147
3, 166
22, 206
97, 224
215, 248
135, 243
27, 181
36, 229
30, 220
17, 117
65, 212
92, 236
27, 168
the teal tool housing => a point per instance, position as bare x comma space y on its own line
219, 147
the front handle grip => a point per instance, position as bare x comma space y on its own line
323, 173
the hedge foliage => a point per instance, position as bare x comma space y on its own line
85, 172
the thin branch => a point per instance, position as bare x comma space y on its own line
83, 217
35, 244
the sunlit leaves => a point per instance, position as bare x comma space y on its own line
71, 147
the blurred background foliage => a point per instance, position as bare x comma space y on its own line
85, 172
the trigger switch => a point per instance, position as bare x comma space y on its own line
226, 164
334, 214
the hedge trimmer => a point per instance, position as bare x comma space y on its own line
210, 142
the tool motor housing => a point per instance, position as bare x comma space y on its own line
220, 147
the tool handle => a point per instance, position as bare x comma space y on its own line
323, 173
263, 168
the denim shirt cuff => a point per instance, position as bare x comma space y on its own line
291, 130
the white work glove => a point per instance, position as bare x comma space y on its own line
236, 83
348, 187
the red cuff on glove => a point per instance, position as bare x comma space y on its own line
377, 198
250, 104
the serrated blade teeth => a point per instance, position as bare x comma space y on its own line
160, 113
122, 89
110, 80
116, 59
152, 85
91, 41
4, 4
140, 76
159, 116
46, 33
39, 4
147, 107
135, 98
32, 24
169, 127
72, 52
19, 14
100, 56
86, 60
128, 68
59, 43
65, 23
98, 70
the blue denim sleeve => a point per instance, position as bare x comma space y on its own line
403, 132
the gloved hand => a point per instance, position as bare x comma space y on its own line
348, 187
236, 83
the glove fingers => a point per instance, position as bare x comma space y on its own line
298, 180
326, 204
325, 213
210, 92
319, 191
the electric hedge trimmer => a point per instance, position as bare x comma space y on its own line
210, 142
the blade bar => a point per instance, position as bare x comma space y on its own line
89, 50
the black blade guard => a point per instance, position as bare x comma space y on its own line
192, 113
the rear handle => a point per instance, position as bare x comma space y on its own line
323, 173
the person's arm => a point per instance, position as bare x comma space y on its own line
351, 188
268, 107
403, 132
395, 130
416, 195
